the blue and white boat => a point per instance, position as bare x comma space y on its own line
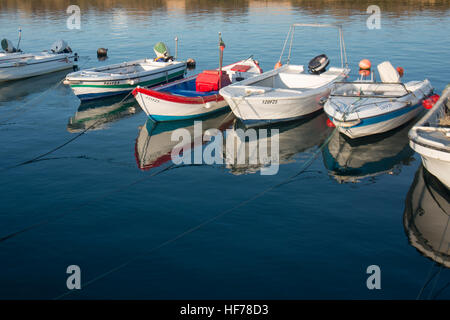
366, 108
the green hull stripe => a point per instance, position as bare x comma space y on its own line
119, 86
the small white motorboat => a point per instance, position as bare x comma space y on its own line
364, 108
288, 92
430, 137
15, 65
122, 78
195, 96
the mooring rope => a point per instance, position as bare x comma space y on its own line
63, 144
303, 168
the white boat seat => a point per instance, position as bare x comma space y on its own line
388, 73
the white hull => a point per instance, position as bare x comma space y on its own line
371, 114
30, 67
435, 161
282, 94
161, 110
122, 78
431, 139
381, 127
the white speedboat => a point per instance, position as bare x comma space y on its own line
288, 92
366, 108
15, 65
430, 137
123, 77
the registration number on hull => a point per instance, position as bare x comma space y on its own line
270, 101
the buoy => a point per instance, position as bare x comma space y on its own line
102, 52
278, 65
190, 63
330, 123
364, 72
365, 64
400, 71
427, 104
434, 98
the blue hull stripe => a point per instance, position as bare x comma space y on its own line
91, 96
384, 117
159, 118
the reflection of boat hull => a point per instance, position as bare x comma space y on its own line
349, 160
154, 144
18, 89
95, 115
426, 217
293, 138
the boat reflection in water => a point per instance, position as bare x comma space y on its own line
154, 143
19, 89
293, 138
95, 115
427, 217
352, 161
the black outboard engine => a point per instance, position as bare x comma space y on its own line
318, 64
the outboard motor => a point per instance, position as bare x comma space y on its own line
61, 46
318, 64
162, 52
8, 46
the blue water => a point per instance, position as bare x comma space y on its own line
99, 203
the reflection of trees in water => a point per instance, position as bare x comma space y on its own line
333, 7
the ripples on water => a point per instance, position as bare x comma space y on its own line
312, 237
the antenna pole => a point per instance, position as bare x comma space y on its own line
20, 37
176, 47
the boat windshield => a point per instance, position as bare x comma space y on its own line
369, 89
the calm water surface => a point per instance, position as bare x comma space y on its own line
105, 200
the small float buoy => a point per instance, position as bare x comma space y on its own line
190, 63
430, 101
364, 73
330, 123
365, 64
278, 65
400, 71
102, 53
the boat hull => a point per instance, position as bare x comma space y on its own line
90, 90
159, 109
437, 162
256, 111
22, 71
380, 124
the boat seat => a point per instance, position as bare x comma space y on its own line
387, 73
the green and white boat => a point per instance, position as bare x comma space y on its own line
123, 77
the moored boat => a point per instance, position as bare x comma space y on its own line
364, 108
430, 137
195, 96
16, 65
122, 78
288, 92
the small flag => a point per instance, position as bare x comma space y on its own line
221, 43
